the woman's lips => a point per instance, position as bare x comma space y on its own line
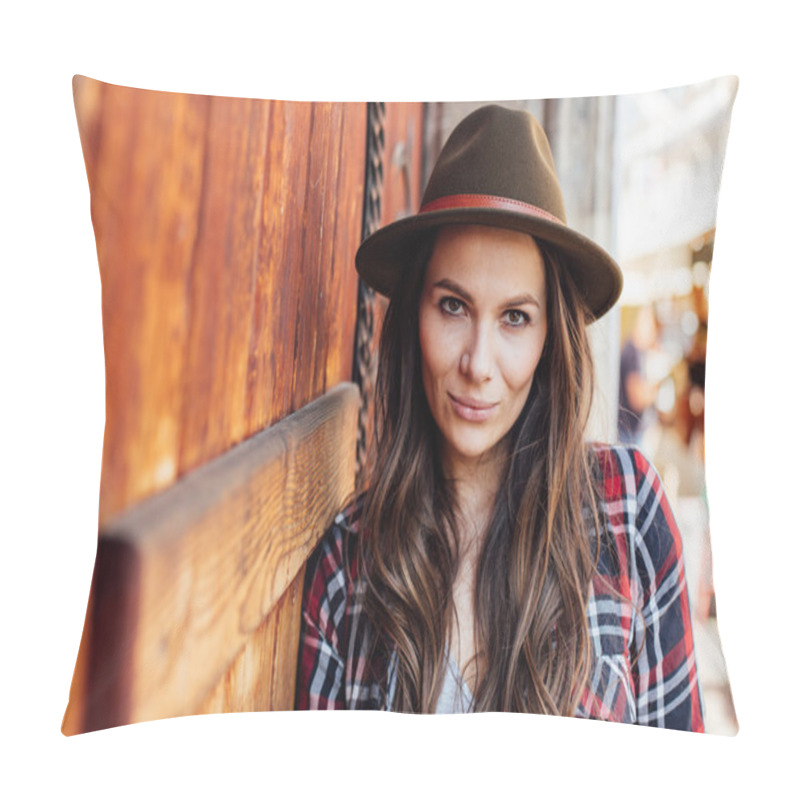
471, 410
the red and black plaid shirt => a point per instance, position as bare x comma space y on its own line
639, 621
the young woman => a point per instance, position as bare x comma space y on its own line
497, 561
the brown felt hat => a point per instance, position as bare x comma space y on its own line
495, 169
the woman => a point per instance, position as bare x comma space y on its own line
497, 561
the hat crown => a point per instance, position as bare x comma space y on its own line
500, 152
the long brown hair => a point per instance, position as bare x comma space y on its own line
537, 558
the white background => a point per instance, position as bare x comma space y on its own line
53, 384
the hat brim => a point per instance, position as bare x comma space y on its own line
384, 257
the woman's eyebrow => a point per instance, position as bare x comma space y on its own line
522, 300
519, 300
452, 286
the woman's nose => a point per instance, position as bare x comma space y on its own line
476, 360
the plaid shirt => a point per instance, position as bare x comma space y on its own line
644, 669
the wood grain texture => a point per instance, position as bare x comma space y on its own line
262, 675
220, 286
185, 579
144, 153
226, 231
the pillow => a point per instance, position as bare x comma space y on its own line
234, 325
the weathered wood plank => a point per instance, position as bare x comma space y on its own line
183, 579
224, 267
285, 255
262, 675
144, 154
348, 210
226, 263
310, 339
276, 288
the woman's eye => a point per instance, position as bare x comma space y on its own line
517, 318
451, 305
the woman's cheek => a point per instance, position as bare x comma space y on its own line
439, 342
520, 362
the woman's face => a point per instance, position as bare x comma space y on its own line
482, 327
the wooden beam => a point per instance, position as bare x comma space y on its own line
184, 578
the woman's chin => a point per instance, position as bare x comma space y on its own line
471, 450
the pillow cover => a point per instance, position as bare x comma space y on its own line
232, 321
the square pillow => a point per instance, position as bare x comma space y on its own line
235, 327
